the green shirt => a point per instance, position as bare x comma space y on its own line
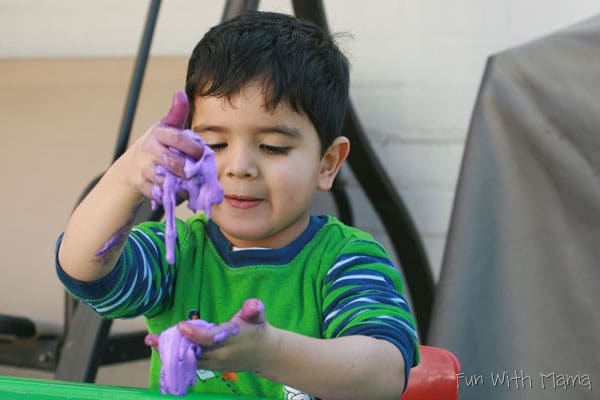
332, 281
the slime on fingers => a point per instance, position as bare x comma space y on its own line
179, 357
200, 182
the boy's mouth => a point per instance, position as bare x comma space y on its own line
242, 202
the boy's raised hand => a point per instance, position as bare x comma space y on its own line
180, 108
153, 148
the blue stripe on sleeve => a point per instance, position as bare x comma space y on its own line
131, 289
359, 283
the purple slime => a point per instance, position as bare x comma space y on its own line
179, 357
200, 183
118, 238
112, 242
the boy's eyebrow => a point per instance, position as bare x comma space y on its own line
206, 127
283, 129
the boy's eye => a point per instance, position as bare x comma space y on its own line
216, 146
274, 149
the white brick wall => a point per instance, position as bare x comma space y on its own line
417, 66
416, 69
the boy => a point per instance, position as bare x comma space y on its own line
305, 303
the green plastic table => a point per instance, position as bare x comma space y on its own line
12, 388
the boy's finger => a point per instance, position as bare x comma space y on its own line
181, 142
208, 335
177, 115
151, 340
253, 311
202, 335
223, 331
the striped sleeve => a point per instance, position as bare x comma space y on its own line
140, 283
364, 295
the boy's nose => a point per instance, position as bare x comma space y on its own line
240, 164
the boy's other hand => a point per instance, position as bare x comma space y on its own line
244, 343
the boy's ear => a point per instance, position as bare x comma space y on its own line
332, 161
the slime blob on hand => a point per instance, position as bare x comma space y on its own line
179, 357
200, 182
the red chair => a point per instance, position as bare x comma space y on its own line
435, 378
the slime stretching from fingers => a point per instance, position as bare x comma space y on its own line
200, 183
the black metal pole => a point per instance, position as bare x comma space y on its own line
234, 8
126, 121
136, 80
81, 364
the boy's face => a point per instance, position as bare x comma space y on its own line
269, 164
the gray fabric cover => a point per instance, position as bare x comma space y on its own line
519, 292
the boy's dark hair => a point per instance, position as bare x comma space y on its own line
294, 59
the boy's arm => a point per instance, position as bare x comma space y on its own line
97, 229
99, 226
350, 367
